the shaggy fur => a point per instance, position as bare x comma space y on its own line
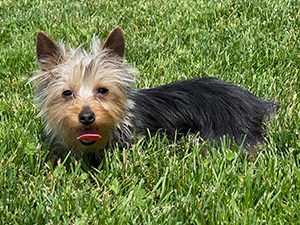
99, 82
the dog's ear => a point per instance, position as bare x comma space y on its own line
48, 53
115, 42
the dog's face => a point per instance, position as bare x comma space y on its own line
83, 96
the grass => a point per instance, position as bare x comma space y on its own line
254, 44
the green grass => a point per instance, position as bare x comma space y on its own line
255, 44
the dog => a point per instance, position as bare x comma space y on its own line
87, 102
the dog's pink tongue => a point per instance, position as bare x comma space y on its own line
88, 135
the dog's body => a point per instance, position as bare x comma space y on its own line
88, 102
205, 105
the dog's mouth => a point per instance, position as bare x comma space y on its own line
88, 136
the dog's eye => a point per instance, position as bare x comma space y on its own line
67, 93
102, 91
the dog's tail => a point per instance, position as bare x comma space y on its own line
270, 108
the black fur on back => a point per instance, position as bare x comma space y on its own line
205, 105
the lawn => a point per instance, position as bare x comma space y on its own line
254, 44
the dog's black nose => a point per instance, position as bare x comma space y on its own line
86, 117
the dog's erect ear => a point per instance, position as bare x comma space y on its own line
115, 42
48, 53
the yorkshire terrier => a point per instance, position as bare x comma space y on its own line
87, 102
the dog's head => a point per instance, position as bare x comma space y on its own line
83, 96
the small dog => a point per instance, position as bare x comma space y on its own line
87, 101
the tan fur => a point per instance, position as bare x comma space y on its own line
83, 73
